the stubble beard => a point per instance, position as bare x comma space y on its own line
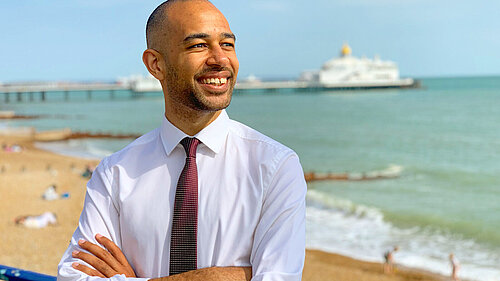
187, 94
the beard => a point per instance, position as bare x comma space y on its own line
187, 93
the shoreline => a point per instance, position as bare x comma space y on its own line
25, 175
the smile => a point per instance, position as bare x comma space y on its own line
214, 81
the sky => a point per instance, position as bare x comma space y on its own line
89, 40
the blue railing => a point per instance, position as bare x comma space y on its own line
16, 274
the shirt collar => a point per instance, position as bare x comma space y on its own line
213, 136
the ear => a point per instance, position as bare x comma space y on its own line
155, 63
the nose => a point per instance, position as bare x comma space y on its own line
218, 57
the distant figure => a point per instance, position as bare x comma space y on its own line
88, 172
16, 148
50, 193
72, 167
389, 260
11, 148
6, 148
455, 266
41, 221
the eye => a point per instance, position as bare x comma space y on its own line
227, 45
199, 45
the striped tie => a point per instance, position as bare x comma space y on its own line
185, 222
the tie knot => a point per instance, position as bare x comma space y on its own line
190, 145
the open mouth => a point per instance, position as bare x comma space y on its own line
214, 81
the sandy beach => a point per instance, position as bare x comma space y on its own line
25, 175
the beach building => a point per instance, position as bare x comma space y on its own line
350, 71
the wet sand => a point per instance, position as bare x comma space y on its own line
25, 175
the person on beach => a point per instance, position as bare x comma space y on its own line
389, 260
87, 173
202, 197
455, 266
50, 193
40, 221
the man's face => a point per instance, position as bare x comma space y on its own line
200, 57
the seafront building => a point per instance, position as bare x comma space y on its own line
349, 69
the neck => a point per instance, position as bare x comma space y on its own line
188, 120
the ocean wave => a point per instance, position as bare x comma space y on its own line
347, 207
341, 226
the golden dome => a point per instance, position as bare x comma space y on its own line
346, 50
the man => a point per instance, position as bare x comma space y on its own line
389, 260
247, 218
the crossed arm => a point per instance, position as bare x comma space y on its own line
110, 261
277, 251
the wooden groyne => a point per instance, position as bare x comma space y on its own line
391, 172
67, 134
87, 135
7, 115
61, 134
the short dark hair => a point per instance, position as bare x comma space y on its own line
157, 19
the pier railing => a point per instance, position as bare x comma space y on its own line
15, 274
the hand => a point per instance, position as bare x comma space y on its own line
107, 262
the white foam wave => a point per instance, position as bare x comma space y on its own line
76, 148
344, 206
340, 226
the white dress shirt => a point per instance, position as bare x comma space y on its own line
251, 205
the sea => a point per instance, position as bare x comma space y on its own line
444, 136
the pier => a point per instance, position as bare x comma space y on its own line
317, 86
28, 92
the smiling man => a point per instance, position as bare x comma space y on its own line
202, 197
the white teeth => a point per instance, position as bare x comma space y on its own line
215, 81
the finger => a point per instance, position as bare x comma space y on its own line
95, 262
112, 248
101, 253
118, 254
87, 270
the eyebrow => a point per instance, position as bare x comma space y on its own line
229, 35
205, 35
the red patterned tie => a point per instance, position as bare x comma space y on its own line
185, 222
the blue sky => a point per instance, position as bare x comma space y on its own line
104, 39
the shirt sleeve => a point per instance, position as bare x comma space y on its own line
99, 216
278, 251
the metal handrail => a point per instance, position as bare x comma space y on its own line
15, 274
